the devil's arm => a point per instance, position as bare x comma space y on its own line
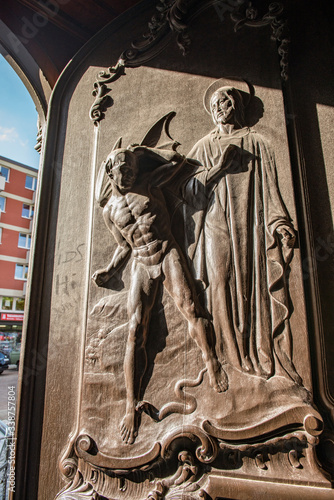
166, 172
120, 255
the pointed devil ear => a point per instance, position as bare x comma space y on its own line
118, 144
108, 167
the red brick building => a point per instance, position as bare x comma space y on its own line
17, 197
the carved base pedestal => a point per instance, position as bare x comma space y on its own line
191, 464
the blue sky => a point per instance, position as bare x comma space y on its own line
18, 118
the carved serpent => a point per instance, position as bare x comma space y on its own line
187, 406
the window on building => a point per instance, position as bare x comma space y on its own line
7, 303
4, 171
27, 211
19, 304
31, 182
2, 203
11, 304
21, 272
24, 240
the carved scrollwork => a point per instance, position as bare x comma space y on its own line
291, 445
186, 472
85, 442
78, 489
205, 453
133, 56
100, 89
275, 18
183, 484
260, 461
177, 22
311, 423
174, 16
188, 481
69, 467
69, 463
294, 459
157, 494
87, 449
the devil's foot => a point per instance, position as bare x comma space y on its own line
129, 426
217, 376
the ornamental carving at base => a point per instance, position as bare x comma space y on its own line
189, 368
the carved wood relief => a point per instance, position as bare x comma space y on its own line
174, 16
190, 372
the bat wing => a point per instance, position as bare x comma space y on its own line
158, 135
103, 187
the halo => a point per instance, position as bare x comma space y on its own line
246, 88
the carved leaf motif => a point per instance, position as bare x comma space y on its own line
78, 489
180, 486
174, 16
278, 24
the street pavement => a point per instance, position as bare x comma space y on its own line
7, 379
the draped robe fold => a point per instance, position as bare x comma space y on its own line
235, 251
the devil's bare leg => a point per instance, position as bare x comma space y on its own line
141, 298
179, 285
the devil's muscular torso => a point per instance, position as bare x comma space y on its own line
140, 216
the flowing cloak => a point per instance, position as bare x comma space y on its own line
234, 250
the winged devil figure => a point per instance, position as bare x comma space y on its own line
130, 190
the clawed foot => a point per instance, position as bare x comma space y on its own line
129, 426
217, 376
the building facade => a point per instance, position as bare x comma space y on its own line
17, 197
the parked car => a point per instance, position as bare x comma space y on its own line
4, 362
14, 357
6, 346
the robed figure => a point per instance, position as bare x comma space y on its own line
240, 240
